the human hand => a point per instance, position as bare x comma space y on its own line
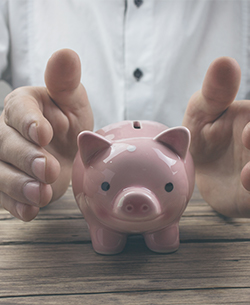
220, 143
38, 132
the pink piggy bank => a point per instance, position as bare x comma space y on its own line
133, 177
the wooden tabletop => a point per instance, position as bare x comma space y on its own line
50, 261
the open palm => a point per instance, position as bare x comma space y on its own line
220, 140
38, 133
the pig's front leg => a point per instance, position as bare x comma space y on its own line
105, 240
164, 241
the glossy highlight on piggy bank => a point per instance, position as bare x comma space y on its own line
133, 177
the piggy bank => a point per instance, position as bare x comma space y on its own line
133, 177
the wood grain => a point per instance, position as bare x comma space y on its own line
50, 260
194, 297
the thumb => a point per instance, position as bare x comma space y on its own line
219, 89
62, 78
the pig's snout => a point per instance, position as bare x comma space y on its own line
137, 203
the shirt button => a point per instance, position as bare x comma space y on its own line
138, 3
138, 74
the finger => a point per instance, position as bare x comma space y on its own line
246, 136
31, 124
27, 157
245, 173
62, 78
23, 188
219, 89
19, 210
245, 176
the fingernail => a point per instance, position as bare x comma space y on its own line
19, 209
38, 168
26, 212
31, 191
33, 133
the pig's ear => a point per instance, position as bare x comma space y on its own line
177, 138
90, 144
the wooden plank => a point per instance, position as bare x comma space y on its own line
194, 297
50, 260
63, 207
28, 270
195, 229
75, 230
66, 207
62, 222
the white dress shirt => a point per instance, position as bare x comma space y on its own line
141, 59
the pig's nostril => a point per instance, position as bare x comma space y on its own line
129, 208
145, 208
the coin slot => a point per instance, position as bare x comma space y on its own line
137, 125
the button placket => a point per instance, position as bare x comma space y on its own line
138, 59
138, 73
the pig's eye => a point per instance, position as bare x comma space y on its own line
169, 187
105, 186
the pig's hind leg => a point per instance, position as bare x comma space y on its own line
165, 240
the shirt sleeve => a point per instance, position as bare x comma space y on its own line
4, 41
